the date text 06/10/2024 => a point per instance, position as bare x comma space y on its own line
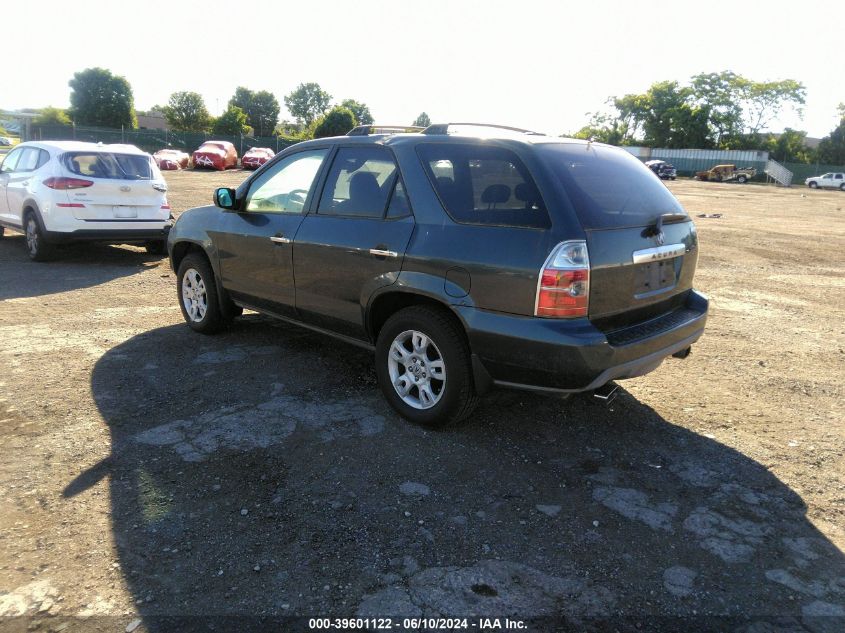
423, 624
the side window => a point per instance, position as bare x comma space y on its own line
480, 184
399, 206
359, 182
11, 160
838, 176
284, 188
28, 160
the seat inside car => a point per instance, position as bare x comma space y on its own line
365, 195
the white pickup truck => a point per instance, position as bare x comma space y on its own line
832, 180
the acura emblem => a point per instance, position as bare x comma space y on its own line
128, 188
660, 238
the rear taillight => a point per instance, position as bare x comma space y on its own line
67, 183
563, 289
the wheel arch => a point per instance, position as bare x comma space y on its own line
388, 302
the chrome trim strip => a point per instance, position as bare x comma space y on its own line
280, 240
659, 252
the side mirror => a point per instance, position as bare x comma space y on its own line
224, 198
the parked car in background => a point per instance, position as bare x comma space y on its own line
726, 173
5, 141
256, 156
168, 159
64, 191
463, 260
215, 155
662, 169
832, 180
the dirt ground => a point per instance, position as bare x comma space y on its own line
148, 471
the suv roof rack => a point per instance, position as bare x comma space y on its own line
366, 130
443, 128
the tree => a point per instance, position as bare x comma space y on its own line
231, 123
99, 98
789, 146
51, 116
359, 110
186, 112
261, 109
308, 102
422, 120
832, 147
337, 122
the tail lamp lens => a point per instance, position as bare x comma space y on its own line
63, 184
563, 290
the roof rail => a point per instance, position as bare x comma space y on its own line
366, 130
443, 128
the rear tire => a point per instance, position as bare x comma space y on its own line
423, 367
196, 290
37, 247
841, 188
156, 247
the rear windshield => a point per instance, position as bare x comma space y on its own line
108, 165
608, 187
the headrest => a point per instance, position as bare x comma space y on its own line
496, 194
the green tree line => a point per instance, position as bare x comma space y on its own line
714, 111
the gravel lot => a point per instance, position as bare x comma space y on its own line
150, 471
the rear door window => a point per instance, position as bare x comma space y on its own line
480, 184
108, 165
28, 160
359, 182
608, 187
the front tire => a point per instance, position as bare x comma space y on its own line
197, 294
37, 247
423, 367
813, 185
741, 179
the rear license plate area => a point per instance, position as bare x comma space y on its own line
124, 212
654, 277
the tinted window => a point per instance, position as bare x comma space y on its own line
484, 185
43, 157
359, 182
284, 187
108, 165
11, 160
399, 206
607, 186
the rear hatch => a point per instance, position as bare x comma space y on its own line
642, 245
124, 186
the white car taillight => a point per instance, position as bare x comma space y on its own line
563, 289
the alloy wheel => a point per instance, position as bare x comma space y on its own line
194, 295
417, 369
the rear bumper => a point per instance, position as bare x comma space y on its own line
566, 356
115, 236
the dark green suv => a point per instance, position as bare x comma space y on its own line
464, 256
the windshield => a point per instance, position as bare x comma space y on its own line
108, 165
608, 187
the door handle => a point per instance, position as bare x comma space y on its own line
279, 239
380, 253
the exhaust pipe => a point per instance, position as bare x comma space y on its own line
606, 393
683, 353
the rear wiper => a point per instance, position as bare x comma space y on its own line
657, 229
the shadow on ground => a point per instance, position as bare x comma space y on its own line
74, 266
260, 473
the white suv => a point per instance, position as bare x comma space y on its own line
833, 180
61, 191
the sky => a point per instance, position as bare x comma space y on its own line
542, 65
